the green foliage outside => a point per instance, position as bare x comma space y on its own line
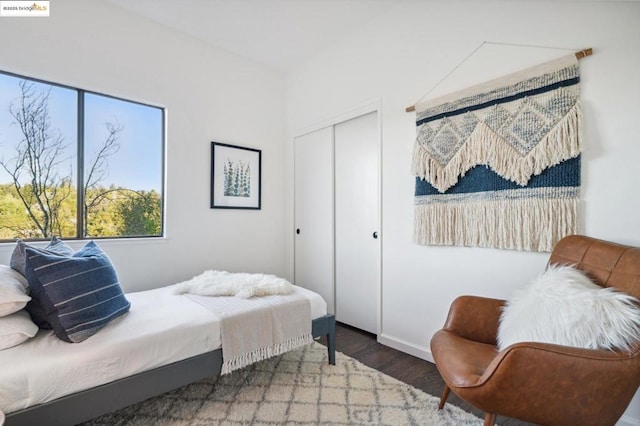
122, 213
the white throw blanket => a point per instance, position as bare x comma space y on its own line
244, 285
252, 329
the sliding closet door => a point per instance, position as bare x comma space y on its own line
314, 213
357, 222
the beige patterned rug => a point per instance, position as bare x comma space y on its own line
297, 388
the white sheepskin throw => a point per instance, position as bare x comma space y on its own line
243, 285
563, 306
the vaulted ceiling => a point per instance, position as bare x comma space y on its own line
278, 33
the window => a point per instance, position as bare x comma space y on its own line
77, 164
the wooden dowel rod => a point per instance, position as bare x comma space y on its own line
579, 55
584, 53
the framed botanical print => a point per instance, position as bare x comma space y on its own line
235, 177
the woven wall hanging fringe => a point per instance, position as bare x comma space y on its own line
498, 164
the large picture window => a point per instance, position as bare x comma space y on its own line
78, 164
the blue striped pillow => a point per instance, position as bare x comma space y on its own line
18, 257
77, 294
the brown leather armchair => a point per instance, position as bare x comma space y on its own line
542, 383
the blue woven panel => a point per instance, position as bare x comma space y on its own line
481, 179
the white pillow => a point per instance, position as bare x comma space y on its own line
15, 329
13, 291
563, 306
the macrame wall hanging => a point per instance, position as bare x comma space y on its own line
498, 164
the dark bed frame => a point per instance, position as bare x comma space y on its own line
94, 402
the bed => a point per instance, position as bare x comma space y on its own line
164, 342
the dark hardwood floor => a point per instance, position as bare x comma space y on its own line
407, 368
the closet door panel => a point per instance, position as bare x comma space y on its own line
314, 225
357, 250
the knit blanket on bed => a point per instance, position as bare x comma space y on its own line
253, 329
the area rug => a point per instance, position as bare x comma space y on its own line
296, 388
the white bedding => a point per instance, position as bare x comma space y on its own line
160, 328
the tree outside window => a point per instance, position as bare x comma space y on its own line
77, 164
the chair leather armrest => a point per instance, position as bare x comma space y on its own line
475, 318
527, 360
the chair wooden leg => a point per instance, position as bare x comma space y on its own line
443, 398
489, 419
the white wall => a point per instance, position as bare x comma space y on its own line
403, 54
209, 94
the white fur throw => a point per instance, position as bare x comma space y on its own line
243, 285
563, 306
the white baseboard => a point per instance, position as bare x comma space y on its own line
404, 346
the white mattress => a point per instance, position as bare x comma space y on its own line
160, 328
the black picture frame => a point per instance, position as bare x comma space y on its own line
236, 177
